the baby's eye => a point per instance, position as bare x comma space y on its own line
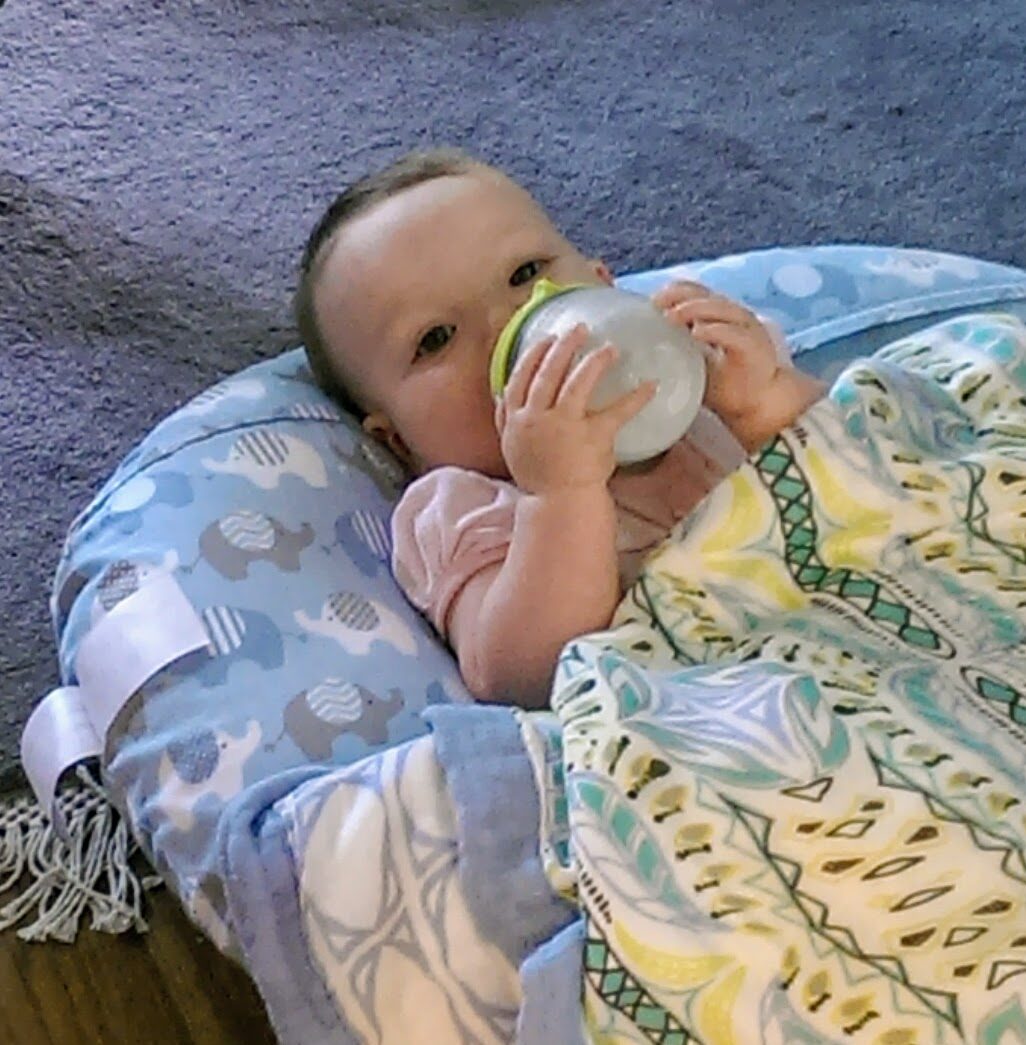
435, 339
525, 273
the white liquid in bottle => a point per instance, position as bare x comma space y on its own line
650, 349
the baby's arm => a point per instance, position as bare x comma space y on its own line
560, 577
559, 580
754, 391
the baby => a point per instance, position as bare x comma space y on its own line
519, 532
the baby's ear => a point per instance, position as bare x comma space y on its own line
378, 426
602, 271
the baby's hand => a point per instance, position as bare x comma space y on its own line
549, 438
741, 361
749, 385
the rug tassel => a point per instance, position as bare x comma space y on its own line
93, 875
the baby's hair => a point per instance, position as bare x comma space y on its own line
409, 170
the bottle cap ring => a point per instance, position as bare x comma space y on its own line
504, 352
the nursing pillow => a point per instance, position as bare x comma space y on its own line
263, 509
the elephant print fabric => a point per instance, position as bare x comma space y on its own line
265, 456
261, 500
315, 718
230, 544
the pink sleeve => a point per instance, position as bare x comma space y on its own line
449, 525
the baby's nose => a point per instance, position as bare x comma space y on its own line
498, 317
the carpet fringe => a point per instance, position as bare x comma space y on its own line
92, 875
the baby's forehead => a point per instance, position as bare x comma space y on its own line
451, 199
484, 208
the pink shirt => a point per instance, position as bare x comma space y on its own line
452, 523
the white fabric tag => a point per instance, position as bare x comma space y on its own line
57, 735
142, 634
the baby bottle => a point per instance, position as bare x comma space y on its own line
650, 348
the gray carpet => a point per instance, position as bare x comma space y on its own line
161, 164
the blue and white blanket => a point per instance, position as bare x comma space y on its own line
780, 800
403, 899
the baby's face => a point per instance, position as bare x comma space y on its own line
413, 294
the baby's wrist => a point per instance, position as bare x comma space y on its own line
789, 395
564, 509
805, 390
572, 496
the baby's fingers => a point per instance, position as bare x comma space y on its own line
728, 338
552, 370
537, 358
733, 355
523, 373
712, 310
679, 291
628, 406
577, 390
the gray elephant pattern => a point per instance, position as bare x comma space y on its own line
233, 542
252, 496
314, 718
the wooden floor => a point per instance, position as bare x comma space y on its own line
167, 987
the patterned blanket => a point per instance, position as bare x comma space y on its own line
790, 804
780, 800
